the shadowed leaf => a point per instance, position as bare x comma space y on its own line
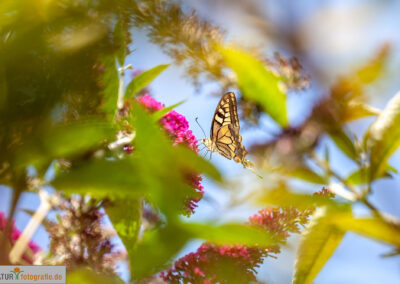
156, 249
87, 276
65, 140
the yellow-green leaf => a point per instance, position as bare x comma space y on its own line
159, 114
374, 228
383, 136
143, 79
356, 110
230, 234
257, 83
318, 243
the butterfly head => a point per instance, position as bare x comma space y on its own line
208, 143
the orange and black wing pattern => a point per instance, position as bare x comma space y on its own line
225, 129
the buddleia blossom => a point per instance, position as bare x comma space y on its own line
27, 257
237, 263
216, 264
78, 237
177, 127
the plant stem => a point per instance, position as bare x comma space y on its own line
329, 170
360, 197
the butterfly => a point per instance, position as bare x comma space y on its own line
225, 136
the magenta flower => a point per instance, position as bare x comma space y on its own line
237, 263
210, 262
178, 129
15, 234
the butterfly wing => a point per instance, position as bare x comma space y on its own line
225, 129
225, 142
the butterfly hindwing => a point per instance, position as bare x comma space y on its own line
225, 142
225, 129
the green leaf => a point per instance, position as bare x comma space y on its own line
103, 178
87, 276
110, 80
230, 234
194, 163
343, 142
361, 175
126, 217
156, 249
172, 165
383, 136
143, 79
374, 228
285, 198
120, 41
257, 83
64, 141
317, 244
356, 110
306, 174
160, 113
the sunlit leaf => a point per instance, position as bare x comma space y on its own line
317, 244
383, 136
78, 37
356, 110
374, 228
159, 114
285, 198
375, 67
361, 176
257, 83
143, 79
230, 234
306, 174
344, 143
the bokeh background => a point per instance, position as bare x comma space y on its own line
331, 38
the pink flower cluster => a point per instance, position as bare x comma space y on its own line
15, 234
237, 263
173, 122
178, 128
279, 222
216, 264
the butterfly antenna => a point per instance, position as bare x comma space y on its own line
205, 136
205, 154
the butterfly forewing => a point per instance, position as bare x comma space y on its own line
225, 129
225, 132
